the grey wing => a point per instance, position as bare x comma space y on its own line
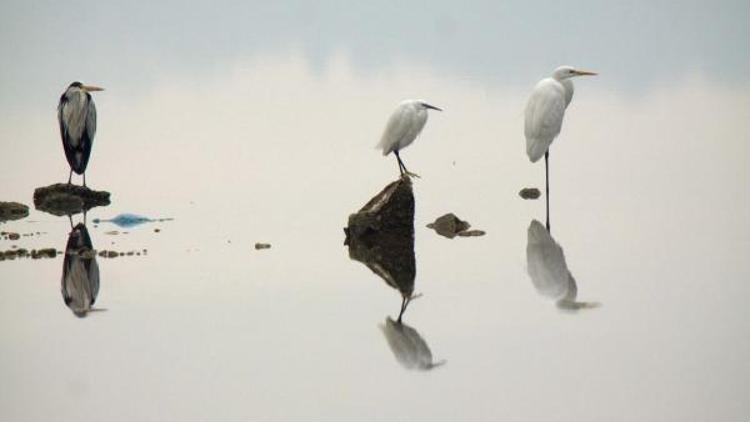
91, 120
543, 118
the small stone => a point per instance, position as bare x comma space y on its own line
157, 230
259, 246
471, 233
14, 236
530, 193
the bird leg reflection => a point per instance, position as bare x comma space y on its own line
402, 168
405, 300
546, 176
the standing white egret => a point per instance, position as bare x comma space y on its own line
76, 114
402, 129
544, 115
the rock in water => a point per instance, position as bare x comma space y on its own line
381, 236
66, 199
449, 225
529, 193
13, 211
391, 210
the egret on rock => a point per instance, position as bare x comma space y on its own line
402, 129
76, 114
544, 115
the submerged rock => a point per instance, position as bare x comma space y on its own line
13, 211
67, 199
259, 246
530, 193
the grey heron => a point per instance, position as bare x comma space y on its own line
76, 114
544, 116
402, 129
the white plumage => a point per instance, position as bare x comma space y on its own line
403, 127
546, 109
544, 116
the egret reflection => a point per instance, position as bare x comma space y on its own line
80, 275
410, 349
549, 272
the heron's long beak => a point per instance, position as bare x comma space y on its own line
585, 73
91, 88
433, 107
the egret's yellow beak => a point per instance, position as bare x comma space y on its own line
585, 73
91, 88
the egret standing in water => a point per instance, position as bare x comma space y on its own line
544, 115
76, 114
402, 129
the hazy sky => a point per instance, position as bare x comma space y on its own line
131, 45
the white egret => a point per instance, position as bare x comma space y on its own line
403, 127
76, 114
544, 115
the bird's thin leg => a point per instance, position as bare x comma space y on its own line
403, 166
70, 219
400, 164
546, 175
84, 180
403, 308
70, 176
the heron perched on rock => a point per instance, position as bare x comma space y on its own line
402, 129
76, 114
544, 115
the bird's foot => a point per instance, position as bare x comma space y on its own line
410, 174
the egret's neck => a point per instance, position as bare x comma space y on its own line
568, 86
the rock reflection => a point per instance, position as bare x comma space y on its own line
549, 272
381, 236
80, 275
410, 349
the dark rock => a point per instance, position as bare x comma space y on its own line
391, 210
262, 246
13, 211
472, 233
13, 236
67, 199
530, 193
449, 225
381, 236
44, 253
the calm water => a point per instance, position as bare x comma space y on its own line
649, 206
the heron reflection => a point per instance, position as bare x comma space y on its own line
80, 276
549, 272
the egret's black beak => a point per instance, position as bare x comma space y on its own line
432, 107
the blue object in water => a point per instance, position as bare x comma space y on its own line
129, 220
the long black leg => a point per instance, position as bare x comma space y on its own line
84, 180
546, 174
404, 303
401, 166
70, 176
